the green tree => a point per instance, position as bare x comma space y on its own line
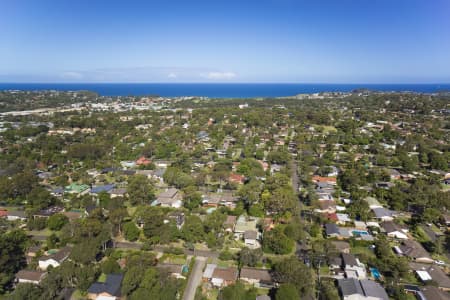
291, 270
57, 221
193, 230
287, 291
140, 190
110, 266
275, 241
250, 257
131, 231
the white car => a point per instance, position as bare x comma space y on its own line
439, 262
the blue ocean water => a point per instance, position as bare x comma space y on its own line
219, 90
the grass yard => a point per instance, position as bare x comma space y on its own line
362, 250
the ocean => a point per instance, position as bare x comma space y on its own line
219, 90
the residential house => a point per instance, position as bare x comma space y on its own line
343, 219
143, 161
352, 267
118, 192
224, 276
332, 230
415, 251
251, 239
229, 223
128, 164
341, 246
320, 179
30, 276
95, 190
394, 230
326, 206
257, 277
372, 202
208, 272
14, 215
169, 198
427, 272
383, 214
55, 259
236, 178
244, 224
75, 188
394, 174
108, 290
430, 292
48, 212
353, 289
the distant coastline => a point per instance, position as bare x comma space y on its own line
221, 90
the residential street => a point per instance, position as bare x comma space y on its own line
194, 278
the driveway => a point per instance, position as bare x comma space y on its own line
194, 278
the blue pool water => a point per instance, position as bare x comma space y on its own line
375, 273
360, 232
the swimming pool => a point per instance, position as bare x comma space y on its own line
375, 273
360, 232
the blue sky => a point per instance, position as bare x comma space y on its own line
320, 41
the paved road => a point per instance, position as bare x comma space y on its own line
132, 245
194, 278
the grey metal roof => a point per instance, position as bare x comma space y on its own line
350, 286
373, 289
110, 286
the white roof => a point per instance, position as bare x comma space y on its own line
343, 218
217, 281
340, 208
373, 224
209, 270
360, 224
424, 276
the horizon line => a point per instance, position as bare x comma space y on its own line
249, 82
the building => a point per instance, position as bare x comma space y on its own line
332, 230
372, 202
429, 292
393, 230
383, 214
229, 223
353, 289
427, 272
353, 268
257, 277
15, 215
108, 290
30, 276
169, 198
244, 224
251, 238
415, 251
224, 276
75, 188
54, 260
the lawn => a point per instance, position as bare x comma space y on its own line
362, 250
44, 232
102, 278
174, 259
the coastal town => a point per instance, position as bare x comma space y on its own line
340, 195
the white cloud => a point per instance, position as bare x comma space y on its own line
71, 75
172, 76
219, 75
